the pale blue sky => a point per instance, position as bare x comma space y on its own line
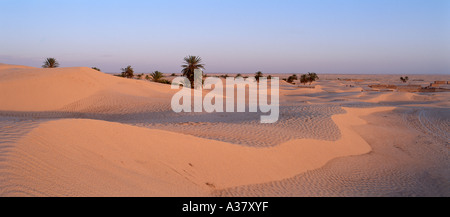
243, 36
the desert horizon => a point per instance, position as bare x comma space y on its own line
225, 104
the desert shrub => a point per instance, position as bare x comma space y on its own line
292, 78
156, 76
128, 72
404, 79
312, 77
309, 78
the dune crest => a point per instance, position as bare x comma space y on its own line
36, 89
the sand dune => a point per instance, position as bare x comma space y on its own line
409, 157
14, 67
91, 157
80, 132
34, 89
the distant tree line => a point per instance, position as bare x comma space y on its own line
310, 77
191, 63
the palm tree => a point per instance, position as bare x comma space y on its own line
95, 68
156, 76
50, 63
191, 63
128, 72
258, 75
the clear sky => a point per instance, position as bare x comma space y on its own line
232, 36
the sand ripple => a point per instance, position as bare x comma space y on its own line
399, 165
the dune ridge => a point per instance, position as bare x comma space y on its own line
35, 89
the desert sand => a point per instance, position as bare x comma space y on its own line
80, 132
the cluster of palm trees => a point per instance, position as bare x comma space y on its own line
259, 75
309, 78
304, 79
190, 64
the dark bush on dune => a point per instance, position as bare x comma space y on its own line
128, 72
